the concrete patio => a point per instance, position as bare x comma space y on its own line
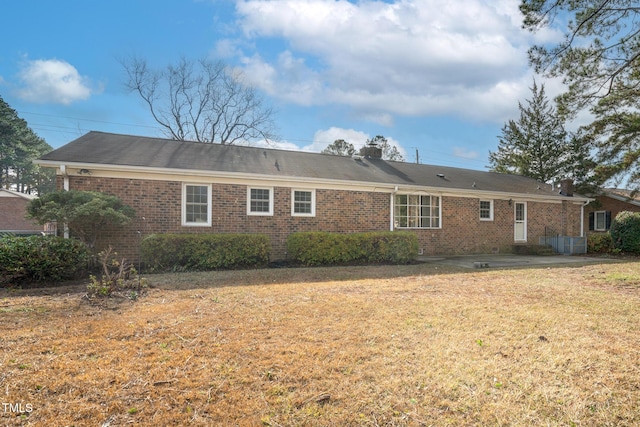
510, 260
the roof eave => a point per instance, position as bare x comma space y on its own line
265, 178
622, 198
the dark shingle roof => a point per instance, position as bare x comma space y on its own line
623, 195
98, 148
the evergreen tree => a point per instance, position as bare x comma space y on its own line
616, 136
86, 213
538, 146
598, 61
19, 146
581, 166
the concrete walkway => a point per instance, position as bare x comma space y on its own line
509, 260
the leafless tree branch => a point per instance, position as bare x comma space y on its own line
201, 100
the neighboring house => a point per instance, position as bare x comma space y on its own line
606, 206
13, 207
188, 187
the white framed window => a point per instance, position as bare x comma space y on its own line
260, 201
600, 221
303, 202
196, 205
486, 210
416, 211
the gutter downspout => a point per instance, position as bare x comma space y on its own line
582, 217
65, 187
392, 204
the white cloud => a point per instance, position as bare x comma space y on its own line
407, 57
288, 78
464, 153
226, 48
400, 148
323, 138
278, 145
381, 118
52, 81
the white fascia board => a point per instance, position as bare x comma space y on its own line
196, 176
493, 195
16, 194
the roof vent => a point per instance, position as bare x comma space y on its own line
440, 175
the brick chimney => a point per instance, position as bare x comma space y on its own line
371, 151
566, 187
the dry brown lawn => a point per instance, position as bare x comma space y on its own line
415, 345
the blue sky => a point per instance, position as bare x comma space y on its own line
438, 76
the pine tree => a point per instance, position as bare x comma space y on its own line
536, 145
597, 57
19, 146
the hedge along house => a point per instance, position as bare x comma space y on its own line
188, 187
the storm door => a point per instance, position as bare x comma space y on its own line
520, 223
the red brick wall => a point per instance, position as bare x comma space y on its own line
12, 211
159, 202
605, 203
463, 233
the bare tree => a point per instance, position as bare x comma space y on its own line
202, 101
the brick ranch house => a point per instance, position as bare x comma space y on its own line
188, 187
606, 206
13, 208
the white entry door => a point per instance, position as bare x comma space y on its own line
520, 223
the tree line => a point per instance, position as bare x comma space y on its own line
598, 60
19, 146
340, 147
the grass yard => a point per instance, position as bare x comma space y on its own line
416, 345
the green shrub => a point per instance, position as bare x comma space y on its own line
85, 213
599, 243
40, 258
203, 252
625, 232
322, 248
